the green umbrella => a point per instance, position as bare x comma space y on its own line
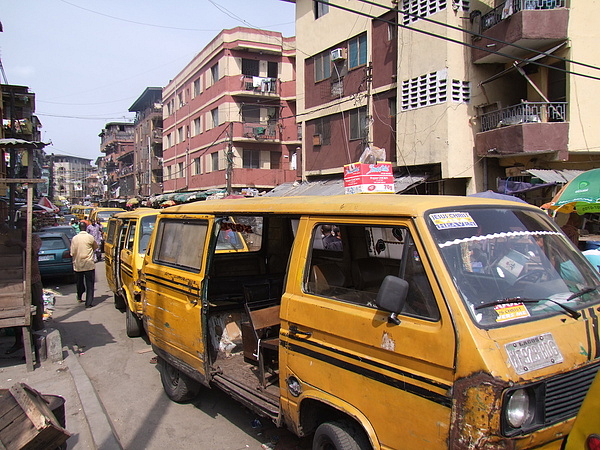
581, 194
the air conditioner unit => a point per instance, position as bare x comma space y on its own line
316, 139
338, 54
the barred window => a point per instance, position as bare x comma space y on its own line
422, 8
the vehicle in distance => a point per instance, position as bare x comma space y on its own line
54, 257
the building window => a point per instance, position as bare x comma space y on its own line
169, 108
197, 166
272, 69
250, 114
214, 160
358, 123
214, 73
323, 130
250, 67
197, 87
425, 90
214, 114
169, 140
251, 159
181, 99
358, 51
461, 91
180, 135
321, 8
323, 66
275, 160
420, 8
169, 172
197, 126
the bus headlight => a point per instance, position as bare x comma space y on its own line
519, 408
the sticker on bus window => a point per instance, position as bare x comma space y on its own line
444, 221
511, 311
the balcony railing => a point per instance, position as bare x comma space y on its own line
526, 112
259, 130
260, 85
502, 12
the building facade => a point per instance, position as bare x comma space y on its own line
229, 115
74, 179
147, 142
116, 142
471, 94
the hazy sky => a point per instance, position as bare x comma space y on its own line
87, 61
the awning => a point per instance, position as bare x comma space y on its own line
336, 187
554, 176
21, 143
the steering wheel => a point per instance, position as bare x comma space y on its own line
533, 276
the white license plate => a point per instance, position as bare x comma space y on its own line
533, 353
46, 258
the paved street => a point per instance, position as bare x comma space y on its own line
129, 388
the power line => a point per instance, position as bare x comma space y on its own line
479, 35
455, 41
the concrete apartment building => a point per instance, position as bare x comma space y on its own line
116, 142
74, 178
147, 142
404, 76
229, 115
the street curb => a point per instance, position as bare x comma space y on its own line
99, 423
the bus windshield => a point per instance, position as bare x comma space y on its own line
513, 265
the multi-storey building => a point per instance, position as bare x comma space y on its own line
229, 115
468, 94
116, 142
73, 178
20, 122
147, 144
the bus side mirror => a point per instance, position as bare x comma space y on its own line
392, 296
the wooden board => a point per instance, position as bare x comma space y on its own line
26, 421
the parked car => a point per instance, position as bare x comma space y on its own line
67, 229
54, 257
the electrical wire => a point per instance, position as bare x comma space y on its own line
455, 41
479, 35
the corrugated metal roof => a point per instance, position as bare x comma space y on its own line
554, 176
336, 187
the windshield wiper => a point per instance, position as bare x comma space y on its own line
503, 301
585, 290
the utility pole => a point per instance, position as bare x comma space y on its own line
51, 178
229, 158
369, 116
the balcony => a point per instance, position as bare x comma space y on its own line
260, 85
260, 131
533, 24
523, 129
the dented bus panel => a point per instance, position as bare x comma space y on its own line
378, 320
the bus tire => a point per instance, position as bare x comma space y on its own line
133, 325
340, 435
119, 302
178, 386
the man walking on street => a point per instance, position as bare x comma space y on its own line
83, 247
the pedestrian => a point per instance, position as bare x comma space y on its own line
75, 224
37, 289
83, 247
95, 229
330, 240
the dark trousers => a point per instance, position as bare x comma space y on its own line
85, 283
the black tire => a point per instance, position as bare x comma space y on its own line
178, 386
340, 435
119, 302
133, 325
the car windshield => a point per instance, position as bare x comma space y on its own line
513, 265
